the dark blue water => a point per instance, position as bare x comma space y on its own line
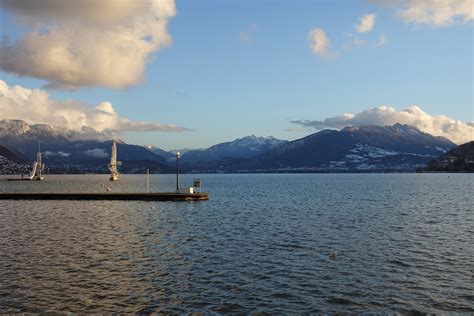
261, 244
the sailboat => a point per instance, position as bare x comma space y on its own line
38, 167
113, 165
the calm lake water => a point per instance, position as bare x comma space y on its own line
261, 244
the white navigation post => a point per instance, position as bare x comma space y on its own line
113, 166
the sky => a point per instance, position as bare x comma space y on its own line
190, 74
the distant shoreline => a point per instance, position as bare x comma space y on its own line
4, 177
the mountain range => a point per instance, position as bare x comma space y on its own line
459, 159
362, 148
241, 148
69, 151
352, 149
11, 163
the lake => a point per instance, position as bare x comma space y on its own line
261, 244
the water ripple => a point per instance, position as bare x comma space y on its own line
261, 245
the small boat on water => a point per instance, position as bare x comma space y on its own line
113, 165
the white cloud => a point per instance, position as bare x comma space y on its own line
432, 12
319, 43
296, 129
246, 36
86, 43
358, 41
438, 125
36, 107
366, 23
57, 153
382, 41
97, 153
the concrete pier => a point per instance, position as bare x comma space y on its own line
162, 196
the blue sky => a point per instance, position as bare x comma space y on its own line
237, 68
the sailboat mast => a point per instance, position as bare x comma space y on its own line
38, 158
113, 163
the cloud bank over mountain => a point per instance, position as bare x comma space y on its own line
438, 125
85, 43
35, 106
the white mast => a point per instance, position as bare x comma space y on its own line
38, 167
113, 166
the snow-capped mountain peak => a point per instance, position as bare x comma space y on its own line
240, 148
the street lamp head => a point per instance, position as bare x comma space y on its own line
177, 154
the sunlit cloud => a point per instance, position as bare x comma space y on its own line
80, 43
319, 43
438, 125
366, 23
432, 12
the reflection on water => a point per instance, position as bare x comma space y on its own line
260, 244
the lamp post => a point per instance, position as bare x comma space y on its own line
177, 171
147, 180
